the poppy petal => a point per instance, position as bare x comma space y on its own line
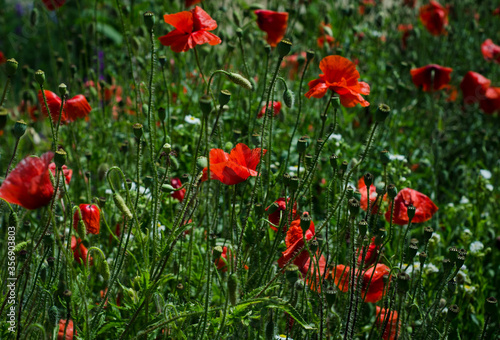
337, 68
202, 21
317, 89
182, 21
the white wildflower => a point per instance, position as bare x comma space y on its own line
485, 173
192, 120
476, 247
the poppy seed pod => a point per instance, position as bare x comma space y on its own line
453, 311
205, 105
224, 97
403, 282
460, 260
412, 251
362, 226
288, 98
217, 252
163, 60
334, 161
368, 178
305, 221
383, 111
284, 47
138, 130
447, 265
11, 67
308, 160
453, 253
384, 157
67, 295
3, 117
410, 211
452, 286
286, 179
428, 231
310, 55
270, 330
162, 113
60, 158
19, 128
392, 191
302, 145
343, 168
273, 208
357, 195
63, 90
330, 294
292, 273
294, 183
313, 246
422, 257
353, 207
490, 307
149, 20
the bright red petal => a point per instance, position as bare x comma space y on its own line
474, 86
182, 21
425, 208
202, 21
203, 37
273, 23
77, 107
376, 289
317, 89
337, 68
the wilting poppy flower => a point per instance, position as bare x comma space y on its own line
492, 101
424, 207
191, 29
222, 262
190, 3
29, 185
434, 17
406, 30
431, 77
2, 58
178, 195
393, 326
294, 242
370, 254
474, 86
376, 289
53, 4
79, 250
491, 52
91, 217
76, 107
273, 23
276, 106
275, 217
340, 76
68, 335
235, 167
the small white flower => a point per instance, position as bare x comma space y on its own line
192, 120
489, 187
430, 268
294, 168
436, 238
282, 337
469, 289
398, 158
485, 173
476, 247
464, 200
336, 136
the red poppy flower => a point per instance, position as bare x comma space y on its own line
2, 58
325, 36
496, 11
451, 91
275, 217
491, 52
295, 242
79, 251
235, 167
292, 63
68, 173
424, 207
191, 29
61, 335
222, 262
406, 30
273, 23
178, 195
474, 86
370, 254
364, 196
53, 4
492, 101
276, 109
29, 185
340, 76
431, 77
76, 107
190, 3
393, 326
376, 289
434, 17
91, 217
314, 278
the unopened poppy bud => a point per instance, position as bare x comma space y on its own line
11, 67
284, 47
202, 162
384, 157
286, 179
288, 98
392, 191
167, 188
422, 257
310, 55
294, 183
205, 105
81, 229
305, 221
217, 252
138, 130
63, 89
121, 205
53, 314
19, 128
362, 226
149, 20
368, 178
383, 111
411, 211
428, 231
490, 307
453, 253
292, 273
302, 145
412, 251
343, 168
163, 60
447, 265
403, 282
453, 311
104, 270
239, 80
232, 287
334, 161
34, 16
452, 286
162, 113
67, 295
60, 158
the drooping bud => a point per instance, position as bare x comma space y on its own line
239, 80
288, 98
121, 205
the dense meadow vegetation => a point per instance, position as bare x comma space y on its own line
249, 170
